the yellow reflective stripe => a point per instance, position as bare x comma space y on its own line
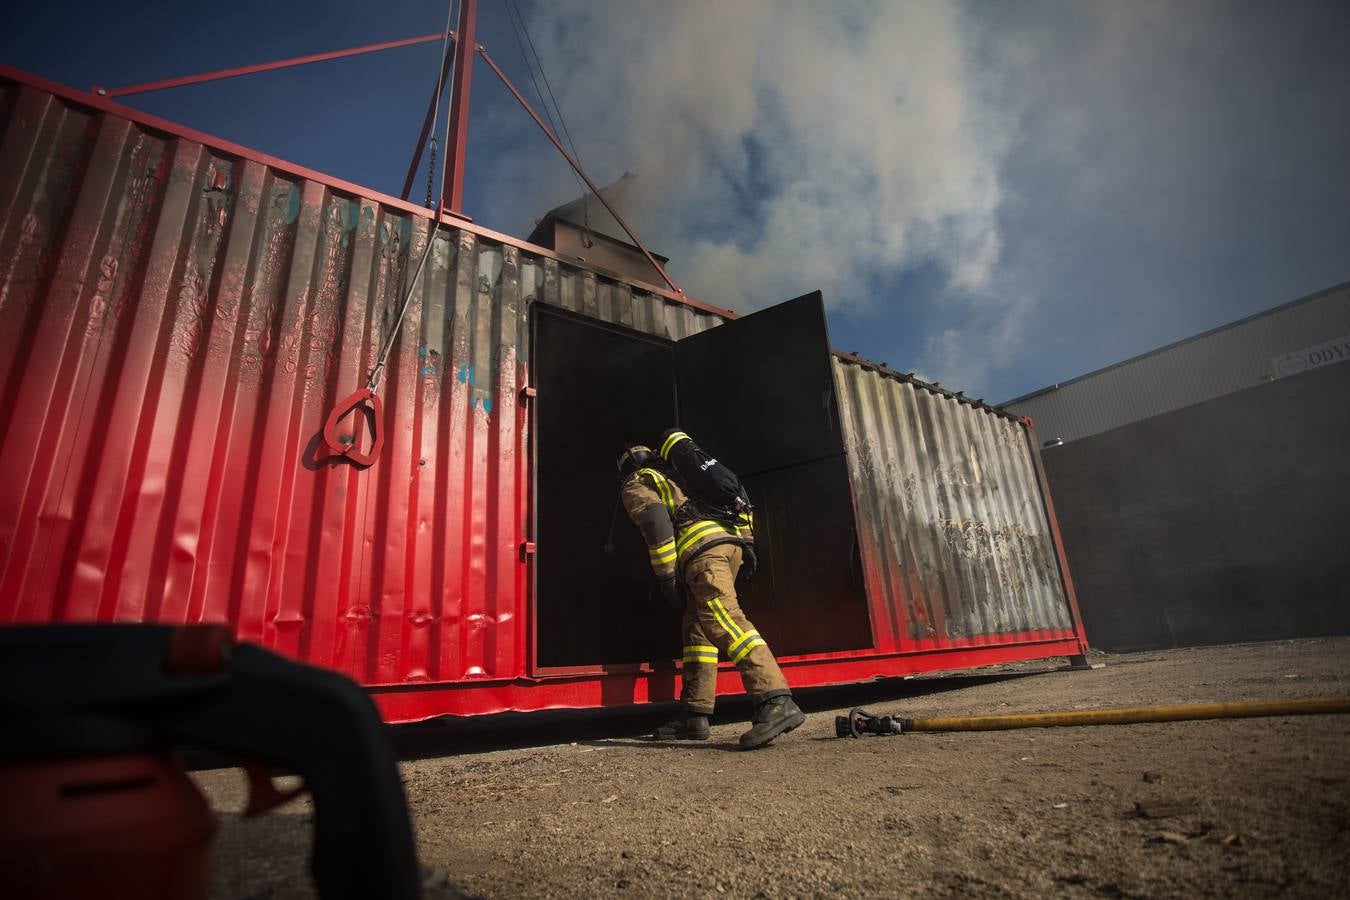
701, 655
700, 648
663, 553
743, 638
700, 530
662, 488
735, 629
724, 619
747, 648
671, 442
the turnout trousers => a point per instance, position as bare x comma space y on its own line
713, 625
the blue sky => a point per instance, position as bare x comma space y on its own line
999, 195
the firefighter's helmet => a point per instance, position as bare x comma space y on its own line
634, 457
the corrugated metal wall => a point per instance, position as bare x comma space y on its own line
1210, 365
954, 538
175, 324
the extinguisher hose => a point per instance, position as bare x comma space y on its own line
1133, 715
860, 722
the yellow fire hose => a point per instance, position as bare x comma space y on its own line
859, 721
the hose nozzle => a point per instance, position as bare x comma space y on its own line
860, 721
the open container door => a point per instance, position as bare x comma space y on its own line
758, 393
598, 385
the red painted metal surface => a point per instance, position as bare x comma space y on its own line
235, 72
177, 322
177, 317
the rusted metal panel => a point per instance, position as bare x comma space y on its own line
955, 541
177, 321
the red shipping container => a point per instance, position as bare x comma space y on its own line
178, 315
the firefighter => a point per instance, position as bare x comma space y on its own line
696, 559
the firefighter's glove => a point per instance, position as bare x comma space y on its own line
672, 593
749, 563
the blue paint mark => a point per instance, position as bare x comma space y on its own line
473, 403
487, 404
421, 351
465, 374
286, 200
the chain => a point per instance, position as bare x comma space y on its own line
431, 173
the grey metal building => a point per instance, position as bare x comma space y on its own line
1202, 488
1286, 340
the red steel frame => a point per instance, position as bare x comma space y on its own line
618, 685
461, 83
625, 685
426, 123
235, 72
452, 201
577, 168
103, 104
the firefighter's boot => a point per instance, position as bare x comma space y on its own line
775, 716
685, 728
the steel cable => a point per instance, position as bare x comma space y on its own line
539, 62
373, 382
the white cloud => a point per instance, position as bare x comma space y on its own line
780, 146
1088, 180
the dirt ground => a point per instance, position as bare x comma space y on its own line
1242, 808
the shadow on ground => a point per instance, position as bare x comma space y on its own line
450, 736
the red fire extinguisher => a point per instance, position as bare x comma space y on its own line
97, 804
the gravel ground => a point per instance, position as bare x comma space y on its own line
1230, 808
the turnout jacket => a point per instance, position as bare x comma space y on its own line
675, 527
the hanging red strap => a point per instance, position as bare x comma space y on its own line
345, 445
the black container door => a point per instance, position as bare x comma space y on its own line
763, 386
598, 386
758, 393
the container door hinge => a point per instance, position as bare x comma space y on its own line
526, 550
528, 393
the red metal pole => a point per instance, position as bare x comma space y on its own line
265, 67
577, 168
453, 201
426, 124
